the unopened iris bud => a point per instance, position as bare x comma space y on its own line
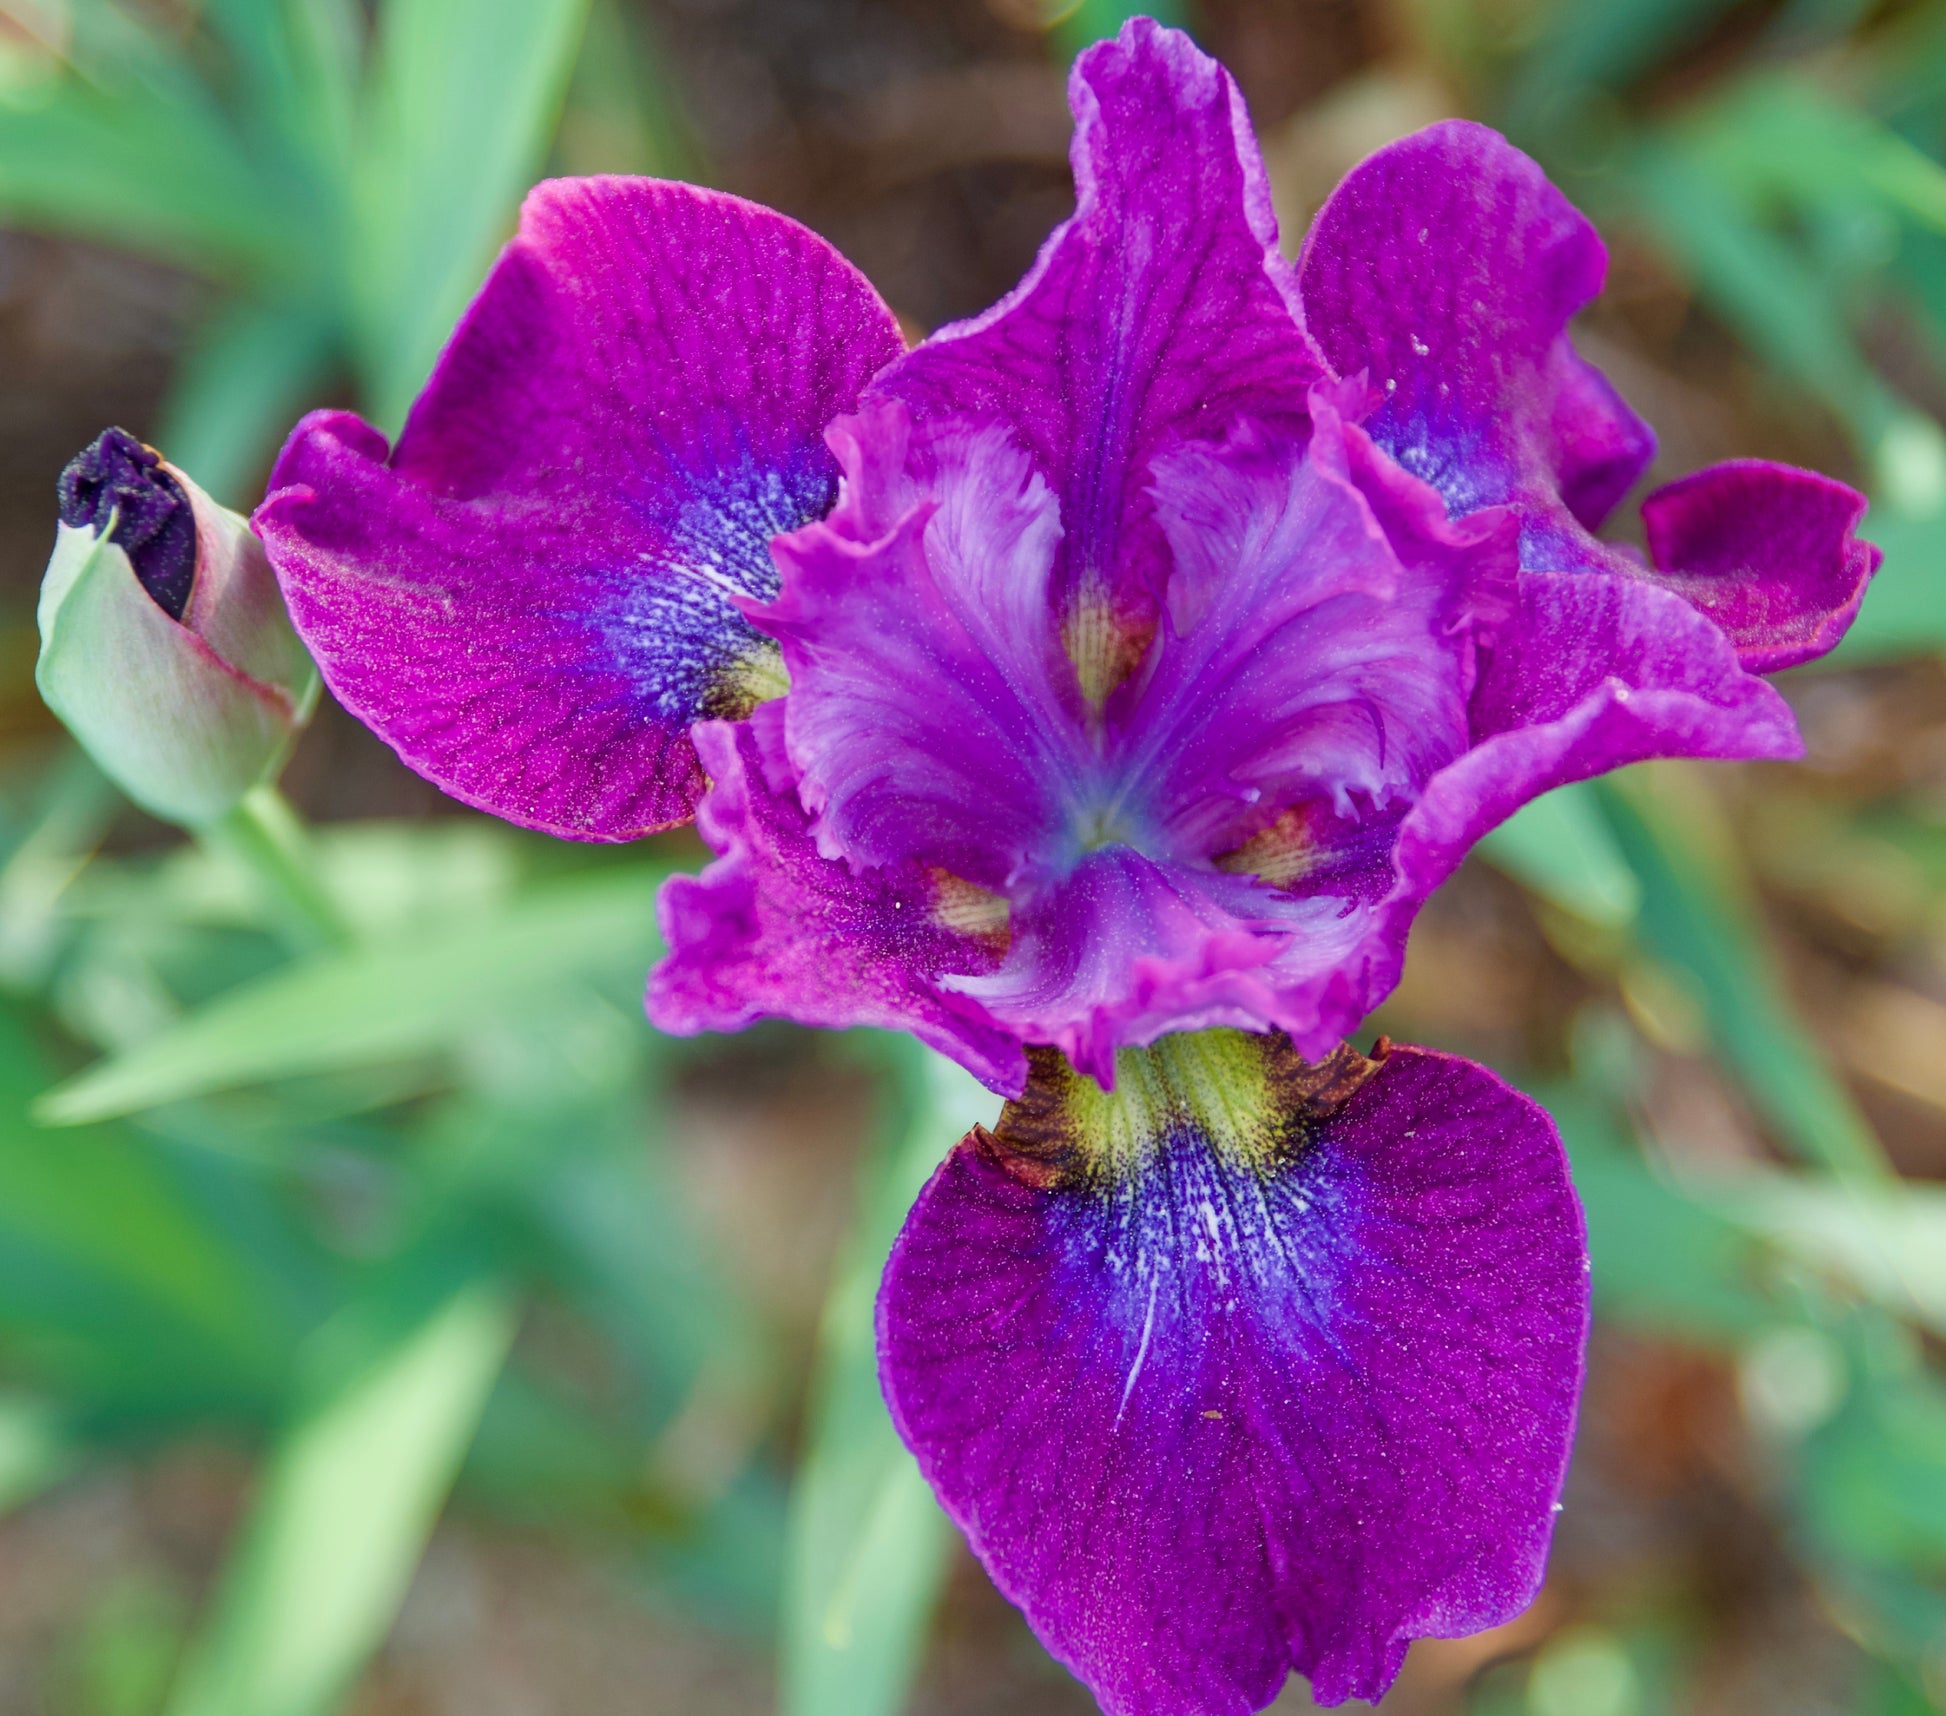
165, 647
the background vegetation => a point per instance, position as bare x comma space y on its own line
390, 1322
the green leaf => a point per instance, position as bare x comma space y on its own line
349, 1499
375, 1005
1661, 1261
868, 1544
132, 150
1697, 915
1761, 286
1905, 609
1599, 47
36, 1449
237, 389
1888, 1243
123, 1272
1559, 846
1783, 137
1075, 26
462, 100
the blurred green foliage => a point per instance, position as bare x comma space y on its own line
299, 1179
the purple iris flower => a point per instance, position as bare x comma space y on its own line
1097, 690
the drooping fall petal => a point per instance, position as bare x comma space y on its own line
1252, 1366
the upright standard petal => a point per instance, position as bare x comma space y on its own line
773, 931
1252, 1366
1447, 268
1161, 310
533, 596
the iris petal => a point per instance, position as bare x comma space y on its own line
1162, 309
932, 713
534, 594
1768, 552
1252, 1366
772, 930
1447, 267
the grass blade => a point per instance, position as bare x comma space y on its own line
462, 100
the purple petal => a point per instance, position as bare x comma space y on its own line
533, 597
1594, 674
933, 713
1250, 1369
1318, 637
1123, 950
1447, 267
1160, 310
772, 930
1767, 552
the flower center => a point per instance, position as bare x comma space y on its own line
1250, 1099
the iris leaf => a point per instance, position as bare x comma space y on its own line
374, 1005
1661, 1261
247, 375
1888, 1244
459, 107
1560, 847
868, 1544
119, 140
349, 1498
1760, 285
1697, 915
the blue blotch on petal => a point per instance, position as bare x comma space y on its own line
678, 634
1195, 1237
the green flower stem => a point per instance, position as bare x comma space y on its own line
270, 839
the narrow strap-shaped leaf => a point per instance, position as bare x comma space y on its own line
350, 1496
1559, 847
460, 105
374, 1005
1696, 915
868, 1544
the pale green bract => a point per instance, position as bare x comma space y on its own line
186, 717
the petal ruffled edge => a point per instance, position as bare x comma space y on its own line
1768, 552
1447, 267
772, 930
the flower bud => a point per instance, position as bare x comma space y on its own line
165, 646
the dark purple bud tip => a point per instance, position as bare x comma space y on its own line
119, 478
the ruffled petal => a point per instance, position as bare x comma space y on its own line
1768, 552
1162, 309
1123, 949
1447, 267
533, 595
1250, 1367
933, 715
1318, 635
1592, 674
772, 930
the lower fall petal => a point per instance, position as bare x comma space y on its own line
1250, 1367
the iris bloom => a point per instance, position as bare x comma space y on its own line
1154, 644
